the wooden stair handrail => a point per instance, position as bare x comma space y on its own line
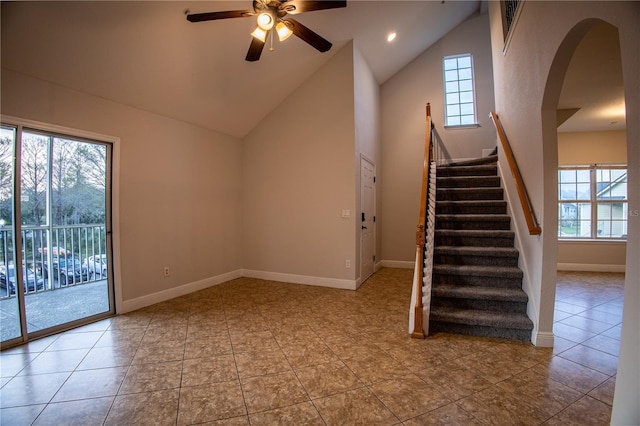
525, 202
418, 331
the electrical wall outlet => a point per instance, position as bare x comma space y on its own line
166, 271
347, 264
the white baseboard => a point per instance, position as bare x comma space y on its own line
543, 339
404, 264
161, 296
301, 279
359, 283
590, 267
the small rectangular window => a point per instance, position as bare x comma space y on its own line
459, 95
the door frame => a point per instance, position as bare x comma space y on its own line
364, 158
112, 207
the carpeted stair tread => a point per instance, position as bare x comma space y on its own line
477, 251
481, 293
508, 320
479, 271
456, 207
475, 217
479, 233
468, 182
470, 205
476, 161
498, 222
459, 194
473, 203
474, 237
482, 170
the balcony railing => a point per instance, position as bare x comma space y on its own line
53, 257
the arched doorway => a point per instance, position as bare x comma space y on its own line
584, 132
570, 91
592, 156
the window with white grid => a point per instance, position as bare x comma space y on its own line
459, 95
592, 202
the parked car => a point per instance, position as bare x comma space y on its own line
96, 265
32, 282
67, 267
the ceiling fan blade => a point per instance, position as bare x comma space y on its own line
212, 16
299, 6
255, 49
308, 35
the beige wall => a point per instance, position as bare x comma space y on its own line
179, 185
575, 148
600, 256
298, 176
528, 80
403, 99
367, 139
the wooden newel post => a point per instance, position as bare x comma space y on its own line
418, 327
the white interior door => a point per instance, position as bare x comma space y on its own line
368, 218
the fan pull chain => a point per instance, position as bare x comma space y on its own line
271, 47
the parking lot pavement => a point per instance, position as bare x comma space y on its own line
51, 308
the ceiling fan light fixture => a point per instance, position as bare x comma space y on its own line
283, 31
265, 21
260, 34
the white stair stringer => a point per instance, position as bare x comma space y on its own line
428, 261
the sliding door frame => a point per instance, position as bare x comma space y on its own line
112, 224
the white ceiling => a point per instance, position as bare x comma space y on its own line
147, 55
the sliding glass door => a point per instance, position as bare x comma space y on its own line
10, 318
62, 275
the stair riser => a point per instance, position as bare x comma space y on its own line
468, 182
479, 281
469, 194
485, 305
470, 209
473, 241
453, 259
474, 330
466, 171
493, 225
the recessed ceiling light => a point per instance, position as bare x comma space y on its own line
391, 37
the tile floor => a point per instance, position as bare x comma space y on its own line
252, 352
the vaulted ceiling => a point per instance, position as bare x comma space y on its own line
147, 55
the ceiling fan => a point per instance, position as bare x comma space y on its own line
273, 14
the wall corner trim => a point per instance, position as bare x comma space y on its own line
301, 279
161, 296
543, 339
